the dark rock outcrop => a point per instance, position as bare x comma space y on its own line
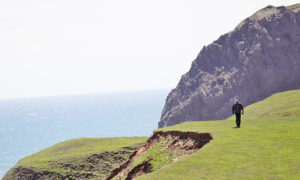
260, 57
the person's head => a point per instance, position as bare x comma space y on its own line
236, 102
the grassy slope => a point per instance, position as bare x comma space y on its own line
159, 156
76, 150
266, 147
293, 6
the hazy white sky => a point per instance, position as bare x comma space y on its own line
55, 47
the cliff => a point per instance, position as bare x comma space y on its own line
261, 56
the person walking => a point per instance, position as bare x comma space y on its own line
237, 109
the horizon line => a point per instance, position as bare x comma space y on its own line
82, 94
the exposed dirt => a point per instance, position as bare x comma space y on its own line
140, 169
177, 142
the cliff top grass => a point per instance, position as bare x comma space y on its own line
265, 147
293, 6
75, 152
78, 148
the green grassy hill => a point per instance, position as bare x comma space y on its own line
267, 146
85, 158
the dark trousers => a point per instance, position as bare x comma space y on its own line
238, 119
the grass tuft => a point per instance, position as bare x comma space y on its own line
157, 155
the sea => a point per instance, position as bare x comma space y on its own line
29, 125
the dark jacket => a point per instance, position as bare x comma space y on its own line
237, 108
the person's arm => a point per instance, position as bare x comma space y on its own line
242, 109
233, 109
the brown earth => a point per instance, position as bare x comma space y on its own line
139, 170
177, 142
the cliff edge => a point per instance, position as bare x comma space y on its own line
261, 56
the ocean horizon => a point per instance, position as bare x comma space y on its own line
28, 125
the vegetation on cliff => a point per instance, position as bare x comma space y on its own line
160, 149
86, 158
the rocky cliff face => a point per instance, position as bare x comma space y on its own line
259, 58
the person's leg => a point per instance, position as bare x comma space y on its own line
238, 119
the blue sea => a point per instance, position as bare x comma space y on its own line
29, 125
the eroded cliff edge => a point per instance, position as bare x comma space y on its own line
162, 148
258, 58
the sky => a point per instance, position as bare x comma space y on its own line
61, 47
